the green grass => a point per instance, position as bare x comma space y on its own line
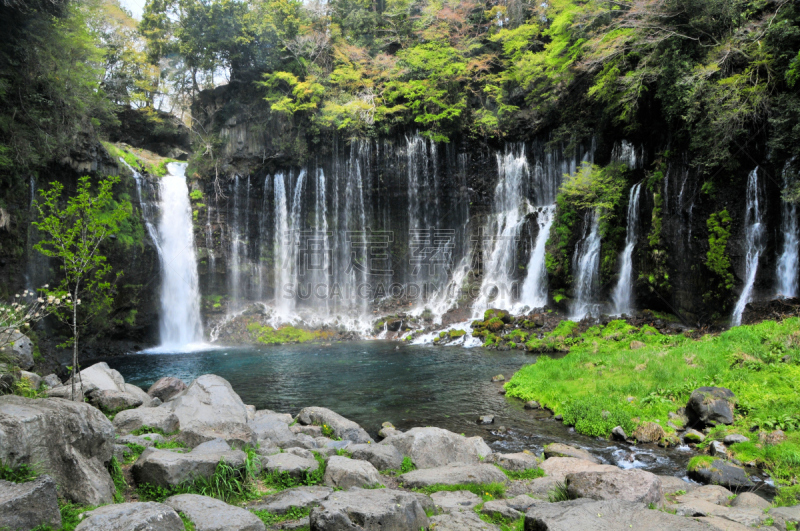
187, 524
487, 491
660, 376
149, 429
270, 519
282, 480
136, 451
115, 469
70, 517
287, 334
18, 474
559, 493
528, 473
158, 169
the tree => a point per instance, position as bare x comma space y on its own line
73, 234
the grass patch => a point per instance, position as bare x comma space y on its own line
283, 480
136, 451
115, 469
700, 461
144, 430
559, 493
528, 473
18, 474
267, 335
270, 519
487, 491
187, 524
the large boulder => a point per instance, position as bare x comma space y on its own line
18, 347
434, 447
559, 467
517, 462
382, 457
101, 377
344, 473
710, 406
69, 441
721, 472
564, 450
154, 417
209, 514
447, 501
34, 379
341, 427
148, 516
29, 505
604, 515
165, 468
369, 510
166, 388
461, 521
113, 401
630, 485
288, 463
454, 474
272, 427
138, 392
299, 497
649, 432
234, 433
209, 400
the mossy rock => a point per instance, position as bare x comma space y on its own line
495, 324
494, 313
454, 334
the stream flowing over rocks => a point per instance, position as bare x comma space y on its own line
422, 478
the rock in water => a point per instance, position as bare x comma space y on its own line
341, 427
69, 441
29, 505
710, 406
563, 450
721, 472
209, 400
433, 447
166, 388
649, 432
209, 514
630, 485
149, 516
369, 510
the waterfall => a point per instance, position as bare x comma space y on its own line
622, 295
586, 265
754, 242
790, 228
534, 288
502, 233
626, 153
283, 249
180, 324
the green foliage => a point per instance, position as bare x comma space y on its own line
528, 473
283, 480
656, 274
717, 259
487, 491
270, 519
141, 430
286, 334
24, 387
407, 465
597, 417
115, 469
699, 462
17, 474
559, 493
187, 523
136, 451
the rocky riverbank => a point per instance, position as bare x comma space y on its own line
197, 457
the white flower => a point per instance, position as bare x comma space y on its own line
58, 301
40, 300
50, 299
78, 301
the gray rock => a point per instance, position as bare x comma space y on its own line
461, 521
101, 377
344, 473
251, 412
515, 462
209, 514
267, 448
455, 474
369, 510
121, 452
486, 419
788, 514
388, 432
564, 450
500, 508
301, 452
382, 457
149, 516
271, 427
290, 464
135, 390
538, 488
718, 449
150, 437
113, 401
433, 447
136, 439
734, 438
52, 380
34, 379
235, 434
66, 392
532, 404
709, 493
618, 434
311, 430
672, 484
342, 427
155, 402
69, 441
209, 400
301, 440
19, 347
165, 468
750, 500
723, 473
749, 517
632, 485
166, 388
559, 467
154, 417
455, 501
29, 505
711, 406
605, 515
300, 497
520, 503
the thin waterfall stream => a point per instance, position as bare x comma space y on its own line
754, 242
623, 292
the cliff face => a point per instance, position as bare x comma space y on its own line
406, 183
